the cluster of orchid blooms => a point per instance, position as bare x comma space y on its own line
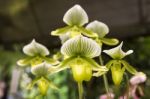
80, 46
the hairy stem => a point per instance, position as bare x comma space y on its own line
80, 90
105, 79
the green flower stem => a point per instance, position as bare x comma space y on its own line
105, 79
127, 78
80, 90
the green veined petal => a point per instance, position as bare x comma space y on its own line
61, 31
51, 61
87, 33
81, 46
35, 48
128, 67
98, 27
117, 53
63, 65
109, 64
40, 69
110, 41
99, 72
25, 61
76, 16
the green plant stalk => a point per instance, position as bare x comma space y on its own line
105, 79
127, 78
80, 90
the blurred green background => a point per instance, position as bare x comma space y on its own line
23, 20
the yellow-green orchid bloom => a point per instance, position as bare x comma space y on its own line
36, 57
35, 53
78, 53
75, 18
118, 65
102, 30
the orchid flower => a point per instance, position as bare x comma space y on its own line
35, 53
102, 30
78, 53
75, 18
40, 64
118, 65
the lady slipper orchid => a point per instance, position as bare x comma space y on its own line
78, 52
40, 64
102, 30
75, 18
118, 65
36, 54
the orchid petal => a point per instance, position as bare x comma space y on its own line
61, 31
110, 41
117, 53
76, 16
98, 27
40, 69
24, 62
35, 48
82, 46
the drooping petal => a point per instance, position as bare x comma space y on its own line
98, 27
40, 69
76, 16
24, 62
100, 71
35, 48
128, 67
110, 41
81, 46
61, 31
117, 53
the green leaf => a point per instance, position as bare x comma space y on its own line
128, 67
81, 46
76, 16
98, 27
61, 31
110, 41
